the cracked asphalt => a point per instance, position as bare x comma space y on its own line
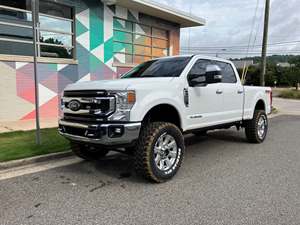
224, 180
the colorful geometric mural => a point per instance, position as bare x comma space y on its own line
95, 49
52, 80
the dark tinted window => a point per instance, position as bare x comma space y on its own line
20, 4
15, 48
56, 52
19, 33
227, 72
16, 15
17, 39
56, 29
54, 9
169, 67
7, 15
199, 67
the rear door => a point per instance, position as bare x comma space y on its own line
205, 102
233, 94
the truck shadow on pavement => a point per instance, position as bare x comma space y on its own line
120, 166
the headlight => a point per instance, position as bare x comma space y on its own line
125, 100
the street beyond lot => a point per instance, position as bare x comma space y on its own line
224, 180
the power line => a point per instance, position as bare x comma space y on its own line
230, 52
249, 42
243, 46
243, 53
252, 27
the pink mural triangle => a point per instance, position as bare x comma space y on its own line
48, 110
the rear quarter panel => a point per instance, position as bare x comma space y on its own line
252, 95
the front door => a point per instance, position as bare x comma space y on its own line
205, 102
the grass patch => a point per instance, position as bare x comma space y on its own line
21, 144
274, 110
293, 94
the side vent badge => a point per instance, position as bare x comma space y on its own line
186, 97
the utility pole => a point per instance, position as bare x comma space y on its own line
265, 44
36, 82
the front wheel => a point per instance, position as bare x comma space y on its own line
159, 151
257, 128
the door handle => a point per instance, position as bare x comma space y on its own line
240, 91
218, 92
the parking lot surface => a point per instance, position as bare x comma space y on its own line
224, 180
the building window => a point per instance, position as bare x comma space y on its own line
55, 31
135, 43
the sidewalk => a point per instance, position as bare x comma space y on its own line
287, 106
23, 125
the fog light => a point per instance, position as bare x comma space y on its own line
115, 131
118, 131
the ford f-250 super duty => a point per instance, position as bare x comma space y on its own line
148, 110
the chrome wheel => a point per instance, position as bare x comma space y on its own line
262, 125
165, 152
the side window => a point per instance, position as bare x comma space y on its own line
200, 67
227, 72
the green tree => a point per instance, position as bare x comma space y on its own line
292, 75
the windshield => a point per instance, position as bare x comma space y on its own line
166, 67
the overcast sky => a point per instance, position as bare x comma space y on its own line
229, 24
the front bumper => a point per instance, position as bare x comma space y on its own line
103, 134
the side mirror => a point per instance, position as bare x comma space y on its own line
196, 79
212, 75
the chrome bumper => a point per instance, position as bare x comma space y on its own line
102, 134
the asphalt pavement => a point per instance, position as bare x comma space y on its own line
224, 180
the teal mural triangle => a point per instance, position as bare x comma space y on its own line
80, 28
95, 63
108, 49
96, 27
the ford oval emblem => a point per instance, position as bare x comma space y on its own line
74, 105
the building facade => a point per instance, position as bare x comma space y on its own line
78, 40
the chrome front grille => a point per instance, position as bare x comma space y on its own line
88, 105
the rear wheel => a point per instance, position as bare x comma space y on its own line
159, 151
88, 152
257, 128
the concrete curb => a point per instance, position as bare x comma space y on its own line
36, 159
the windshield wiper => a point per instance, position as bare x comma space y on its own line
148, 76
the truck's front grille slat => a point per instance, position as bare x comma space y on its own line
88, 105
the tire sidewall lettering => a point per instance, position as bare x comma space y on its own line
174, 167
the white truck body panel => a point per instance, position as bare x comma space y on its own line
148, 110
206, 107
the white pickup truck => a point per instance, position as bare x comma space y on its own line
151, 107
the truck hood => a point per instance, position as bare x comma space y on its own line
119, 84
